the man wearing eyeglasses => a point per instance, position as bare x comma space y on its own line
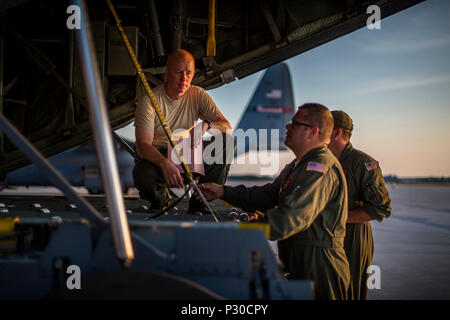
368, 199
305, 206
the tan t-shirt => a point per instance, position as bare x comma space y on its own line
180, 114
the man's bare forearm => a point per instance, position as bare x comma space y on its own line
222, 125
150, 153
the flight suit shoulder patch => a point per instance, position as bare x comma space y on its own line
315, 166
371, 165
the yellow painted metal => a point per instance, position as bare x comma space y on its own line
8, 244
265, 227
211, 42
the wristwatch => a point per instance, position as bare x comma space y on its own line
209, 124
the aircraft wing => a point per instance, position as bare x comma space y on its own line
43, 91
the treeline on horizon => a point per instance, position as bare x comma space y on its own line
396, 179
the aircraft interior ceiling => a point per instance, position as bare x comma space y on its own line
42, 89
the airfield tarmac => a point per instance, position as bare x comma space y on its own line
412, 247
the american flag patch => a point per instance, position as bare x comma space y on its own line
315, 166
371, 165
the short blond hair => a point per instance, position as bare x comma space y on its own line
177, 54
321, 117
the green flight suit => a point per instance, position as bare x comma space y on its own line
366, 189
306, 207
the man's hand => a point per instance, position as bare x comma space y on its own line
358, 215
171, 174
253, 216
210, 190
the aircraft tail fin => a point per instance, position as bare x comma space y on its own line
271, 107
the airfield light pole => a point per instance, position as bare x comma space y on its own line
103, 139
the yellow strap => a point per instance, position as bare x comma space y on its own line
149, 91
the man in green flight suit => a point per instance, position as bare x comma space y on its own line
305, 206
368, 199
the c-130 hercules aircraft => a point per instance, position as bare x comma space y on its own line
61, 86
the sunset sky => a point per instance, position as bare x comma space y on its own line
394, 83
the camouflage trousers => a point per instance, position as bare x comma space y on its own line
149, 179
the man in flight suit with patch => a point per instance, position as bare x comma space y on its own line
368, 199
305, 206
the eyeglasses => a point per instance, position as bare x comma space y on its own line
293, 122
